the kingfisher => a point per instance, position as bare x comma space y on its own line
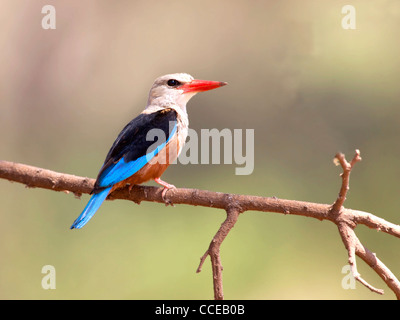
150, 142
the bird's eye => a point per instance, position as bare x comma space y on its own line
173, 83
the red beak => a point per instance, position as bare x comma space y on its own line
201, 85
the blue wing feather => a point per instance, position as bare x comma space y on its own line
123, 170
93, 205
127, 156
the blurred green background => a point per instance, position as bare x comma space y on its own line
308, 87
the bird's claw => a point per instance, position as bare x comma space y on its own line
164, 193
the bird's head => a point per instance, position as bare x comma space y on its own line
177, 89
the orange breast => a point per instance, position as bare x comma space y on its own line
156, 167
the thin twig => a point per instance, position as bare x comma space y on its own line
351, 243
347, 167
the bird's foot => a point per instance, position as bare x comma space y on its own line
167, 187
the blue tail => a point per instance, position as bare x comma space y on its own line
93, 205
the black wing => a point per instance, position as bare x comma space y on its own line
132, 144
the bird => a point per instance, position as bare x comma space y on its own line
136, 156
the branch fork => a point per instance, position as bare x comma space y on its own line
346, 226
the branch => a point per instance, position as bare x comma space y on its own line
345, 219
214, 250
347, 167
